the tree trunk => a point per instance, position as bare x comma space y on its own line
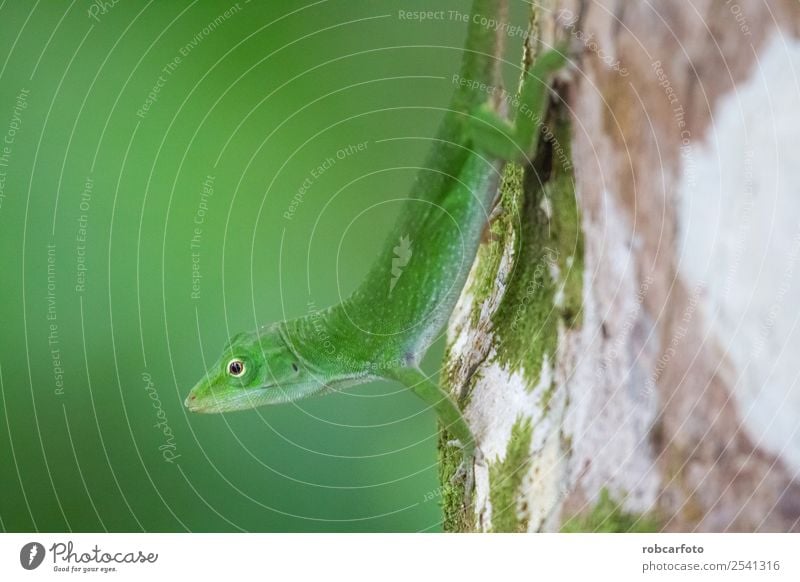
625, 347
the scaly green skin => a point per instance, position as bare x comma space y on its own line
385, 327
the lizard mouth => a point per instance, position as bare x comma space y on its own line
246, 399
212, 405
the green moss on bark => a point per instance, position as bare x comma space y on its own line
539, 220
607, 516
545, 285
457, 515
505, 480
502, 233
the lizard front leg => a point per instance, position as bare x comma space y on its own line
450, 417
517, 140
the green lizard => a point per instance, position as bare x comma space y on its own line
384, 328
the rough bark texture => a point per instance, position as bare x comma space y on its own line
622, 350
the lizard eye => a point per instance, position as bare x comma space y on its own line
236, 368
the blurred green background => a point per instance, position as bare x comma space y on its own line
104, 323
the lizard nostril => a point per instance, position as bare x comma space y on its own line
192, 397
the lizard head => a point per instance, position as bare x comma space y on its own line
255, 369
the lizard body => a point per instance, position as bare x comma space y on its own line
384, 328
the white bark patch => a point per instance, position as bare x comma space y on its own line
499, 400
604, 366
543, 487
740, 240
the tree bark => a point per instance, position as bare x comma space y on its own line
624, 347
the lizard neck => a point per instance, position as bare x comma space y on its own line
332, 344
